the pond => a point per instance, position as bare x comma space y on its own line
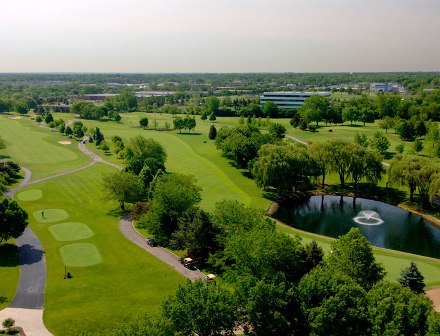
384, 225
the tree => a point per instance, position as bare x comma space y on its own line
365, 163
270, 109
189, 123
400, 148
13, 220
200, 308
386, 123
122, 187
77, 129
211, 105
104, 146
278, 131
418, 145
21, 107
433, 134
340, 158
139, 149
311, 256
321, 152
68, 130
116, 116
406, 130
334, 304
196, 234
282, 166
361, 139
380, 142
48, 118
314, 108
412, 278
98, 136
212, 133
212, 117
143, 122
179, 124
352, 255
350, 113
8, 324
172, 196
269, 308
395, 310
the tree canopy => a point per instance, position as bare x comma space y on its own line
13, 220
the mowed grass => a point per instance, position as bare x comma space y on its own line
125, 283
189, 153
71, 231
37, 148
9, 272
30, 195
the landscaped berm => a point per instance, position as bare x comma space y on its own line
71, 231
30, 195
80, 255
50, 215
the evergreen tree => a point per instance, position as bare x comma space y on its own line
98, 136
412, 278
212, 133
48, 118
212, 116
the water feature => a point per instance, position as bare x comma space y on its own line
384, 225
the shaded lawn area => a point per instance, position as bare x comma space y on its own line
125, 283
9, 272
37, 148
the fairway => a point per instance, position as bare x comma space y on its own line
30, 195
71, 231
80, 255
50, 215
36, 148
106, 267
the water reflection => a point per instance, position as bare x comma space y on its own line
383, 225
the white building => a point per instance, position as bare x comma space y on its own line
289, 100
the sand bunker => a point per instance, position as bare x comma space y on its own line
65, 142
15, 117
434, 295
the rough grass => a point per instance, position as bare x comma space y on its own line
9, 272
127, 283
71, 231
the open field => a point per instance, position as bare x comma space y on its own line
110, 269
36, 148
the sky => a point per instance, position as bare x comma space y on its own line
219, 36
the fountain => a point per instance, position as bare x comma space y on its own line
368, 217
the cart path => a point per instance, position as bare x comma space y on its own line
127, 228
27, 307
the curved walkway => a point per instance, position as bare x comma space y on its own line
126, 227
27, 307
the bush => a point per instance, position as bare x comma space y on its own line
8, 323
312, 127
138, 209
400, 148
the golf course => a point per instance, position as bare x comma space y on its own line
112, 279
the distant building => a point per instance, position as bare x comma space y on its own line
384, 87
289, 100
96, 97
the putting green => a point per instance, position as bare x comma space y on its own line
80, 255
30, 195
70, 231
50, 215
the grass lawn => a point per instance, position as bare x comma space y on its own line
37, 148
113, 279
188, 154
9, 272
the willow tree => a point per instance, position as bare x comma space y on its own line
320, 152
282, 166
340, 158
365, 163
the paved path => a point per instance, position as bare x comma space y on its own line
126, 227
27, 307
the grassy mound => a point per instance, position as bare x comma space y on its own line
30, 195
71, 231
80, 255
50, 215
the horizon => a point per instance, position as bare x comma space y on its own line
220, 37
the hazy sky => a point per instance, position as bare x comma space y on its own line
219, 36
